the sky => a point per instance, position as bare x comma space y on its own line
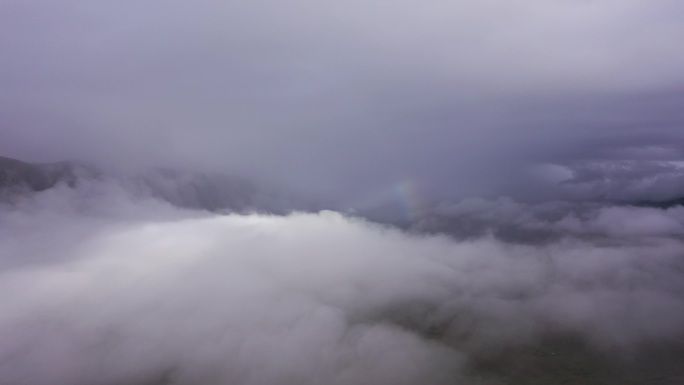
346, 100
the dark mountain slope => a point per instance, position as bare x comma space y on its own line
187, 189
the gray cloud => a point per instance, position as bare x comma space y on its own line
553, 222
341, 99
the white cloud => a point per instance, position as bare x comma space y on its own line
153, 294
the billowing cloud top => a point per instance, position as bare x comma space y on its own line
99, 288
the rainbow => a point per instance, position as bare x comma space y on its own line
404, 194
410, 198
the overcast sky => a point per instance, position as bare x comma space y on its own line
344, 99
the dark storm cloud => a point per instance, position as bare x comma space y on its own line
342, 99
